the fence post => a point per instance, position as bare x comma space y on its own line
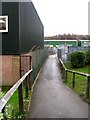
66, 76
61, 69
88, 87
3, 110
29, 74
73, 80
63, 72
26, 87
20, 94
63, 77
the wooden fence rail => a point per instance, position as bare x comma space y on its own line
64, 72
18, 86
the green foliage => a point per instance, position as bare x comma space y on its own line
83, 70
12, 113
12, 108
77, 59
1, 94
87, 54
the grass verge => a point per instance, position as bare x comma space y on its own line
80, 81
12, 107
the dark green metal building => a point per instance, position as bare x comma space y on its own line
25, 28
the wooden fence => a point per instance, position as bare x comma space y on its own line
65, 71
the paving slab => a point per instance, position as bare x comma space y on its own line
51, 97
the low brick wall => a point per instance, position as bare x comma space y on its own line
25, 63
10, 70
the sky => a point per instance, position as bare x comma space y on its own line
63, 16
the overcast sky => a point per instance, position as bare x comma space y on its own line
63, 16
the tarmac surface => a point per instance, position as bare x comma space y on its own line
51, 98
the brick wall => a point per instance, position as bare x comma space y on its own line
25, 64
10, 68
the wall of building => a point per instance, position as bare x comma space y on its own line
30, 27
25, 63
0, 33
10, 69
25, 28
10, 40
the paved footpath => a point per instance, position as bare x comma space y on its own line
51, 98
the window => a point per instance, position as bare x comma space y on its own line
3, 24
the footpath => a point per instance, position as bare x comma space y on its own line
51, 98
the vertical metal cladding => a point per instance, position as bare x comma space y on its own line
10, 41
31, 28
0, 33
25, 28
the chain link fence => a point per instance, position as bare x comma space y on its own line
38, 58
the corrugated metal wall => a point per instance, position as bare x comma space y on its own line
0, 33
25, 28
10, 40
31, 28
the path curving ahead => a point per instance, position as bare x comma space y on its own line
51, 98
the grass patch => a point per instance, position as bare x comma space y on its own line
84, 51
12, 107
85, 69
80, 81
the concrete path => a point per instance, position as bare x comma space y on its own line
51, 98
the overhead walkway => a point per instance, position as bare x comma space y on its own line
51, 98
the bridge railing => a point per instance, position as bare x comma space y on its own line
65, 72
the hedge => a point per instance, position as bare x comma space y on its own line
77, 59
87, 55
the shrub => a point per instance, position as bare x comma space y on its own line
87, 54
77, 59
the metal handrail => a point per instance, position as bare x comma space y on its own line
64, 75
9, 94
72, 71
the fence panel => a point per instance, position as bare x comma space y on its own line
38, 58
